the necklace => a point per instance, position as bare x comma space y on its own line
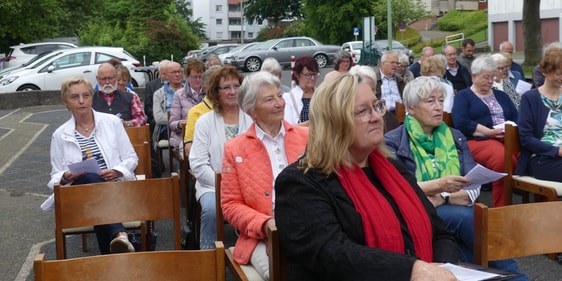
87, 129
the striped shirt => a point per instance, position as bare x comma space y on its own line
90, 149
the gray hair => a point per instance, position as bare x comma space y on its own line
420, 89
499, 58
251, 86
207, 76
501, 45
386, 54
272, 65
363, 70
403, 58
213, 59
163, 64
483, 63
551, 45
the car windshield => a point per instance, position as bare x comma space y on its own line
41, 62
265, 45
356, 45
397, 45
37, 57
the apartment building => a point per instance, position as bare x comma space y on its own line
505, 22
224, 22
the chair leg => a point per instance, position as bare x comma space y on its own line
84, 243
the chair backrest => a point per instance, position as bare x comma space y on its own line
144, 166
511, 147
138, 135
516, 231
160, 265
114, 202
277, 261
448, 119
400, 112
220, 217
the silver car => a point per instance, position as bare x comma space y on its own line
282, 49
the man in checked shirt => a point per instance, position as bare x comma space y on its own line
110, 100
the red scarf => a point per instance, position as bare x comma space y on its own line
381, 225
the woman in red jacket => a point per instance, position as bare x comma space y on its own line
251, 163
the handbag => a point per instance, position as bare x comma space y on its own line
135, 238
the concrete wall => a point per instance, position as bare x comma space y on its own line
35, 98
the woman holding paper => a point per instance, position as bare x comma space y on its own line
92, 135
480, 112
540, 122
439, 157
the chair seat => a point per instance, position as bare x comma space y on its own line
249, 270
532, 180
79, 230
163, 143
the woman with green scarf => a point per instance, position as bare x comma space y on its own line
439, 157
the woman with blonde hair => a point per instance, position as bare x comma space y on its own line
345, 211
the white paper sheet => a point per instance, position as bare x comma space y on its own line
480, 175
468, 274
522, 87
86, 166
502, 125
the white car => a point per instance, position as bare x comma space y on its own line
22, 53
48, 73
354, 47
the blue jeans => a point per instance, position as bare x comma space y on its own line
208, 234
104, 233
460, 221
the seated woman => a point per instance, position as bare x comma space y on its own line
540, 122
251, 163
439, 157
502, 81
342, 63
347, 212
434, 66
298, 99
92, 135
212, 130
476, 111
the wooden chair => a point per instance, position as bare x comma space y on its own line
550, 189
400, 112
163, 265
448, 119
112, 202
277, 260
516, 231
138, 135
239, 271
144, 167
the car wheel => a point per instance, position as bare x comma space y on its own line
321, 60
411, 59
252, 64
25, 88
135, 83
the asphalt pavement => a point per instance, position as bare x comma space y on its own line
25, 136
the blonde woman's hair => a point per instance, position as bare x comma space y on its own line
69, 82
332, 125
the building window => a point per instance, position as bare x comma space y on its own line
219, 21
234, 21
250, 35
219, 8
260, 22
219, 35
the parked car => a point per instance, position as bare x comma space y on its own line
49, 72
282, 49
363, 52
398, 47
191, 54
354, 47
20, 54
217, 50
226, 58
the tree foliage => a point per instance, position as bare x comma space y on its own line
272, 11
403, 11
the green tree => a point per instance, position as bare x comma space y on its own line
332, 22
403, 11
272, 11
532, 32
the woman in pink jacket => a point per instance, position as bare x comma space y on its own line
251, 163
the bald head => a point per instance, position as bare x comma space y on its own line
506, 46
450, 54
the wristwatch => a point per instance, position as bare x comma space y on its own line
445, 196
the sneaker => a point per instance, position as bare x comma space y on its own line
121, 244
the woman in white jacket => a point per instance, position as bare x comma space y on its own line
212, 130
297, 100
92, 135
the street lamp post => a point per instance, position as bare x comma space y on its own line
242, 21
389, 23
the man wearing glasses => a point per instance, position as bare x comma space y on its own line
109, 99
389, 88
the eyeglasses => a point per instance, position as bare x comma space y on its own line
364, 113
231, 87
196, 77
311, 75
176, 72
502, 68
106, 79
392, 62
